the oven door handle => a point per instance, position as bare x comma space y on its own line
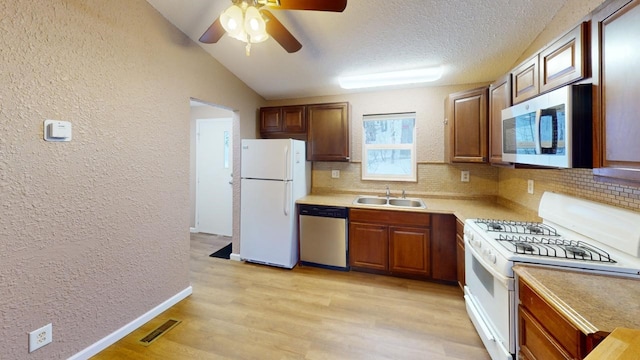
508, 282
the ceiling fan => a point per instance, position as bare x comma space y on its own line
251, 22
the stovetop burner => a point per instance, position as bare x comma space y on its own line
523, 245
553, 247
517, 227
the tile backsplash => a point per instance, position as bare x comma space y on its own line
573, 182
433, 180
506, 186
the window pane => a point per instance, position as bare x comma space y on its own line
398, 131
389, 162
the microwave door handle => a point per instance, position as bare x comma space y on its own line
536, 133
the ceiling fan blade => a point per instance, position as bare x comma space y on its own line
213, 33
280, 34
317, 5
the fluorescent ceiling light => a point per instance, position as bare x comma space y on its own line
391, 78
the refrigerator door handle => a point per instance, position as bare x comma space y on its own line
285, 198
286, 162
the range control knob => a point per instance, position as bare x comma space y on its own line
491, 257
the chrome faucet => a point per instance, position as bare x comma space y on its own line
404, 196
388, 193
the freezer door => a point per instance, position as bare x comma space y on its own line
266, 159
268, 223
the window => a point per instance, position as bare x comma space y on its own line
389, 147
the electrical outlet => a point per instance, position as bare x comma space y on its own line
464, 176
335, 174
41, 337
530, 186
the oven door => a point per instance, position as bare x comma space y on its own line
490, 301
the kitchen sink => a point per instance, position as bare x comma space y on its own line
390, 202
365, 200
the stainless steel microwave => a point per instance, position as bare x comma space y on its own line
551, 130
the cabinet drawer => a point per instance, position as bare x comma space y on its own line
567, 336
390, 217
535, 342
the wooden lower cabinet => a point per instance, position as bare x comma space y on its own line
411, 244
443, 248
544, 333
460, 253
409, 251
369, 246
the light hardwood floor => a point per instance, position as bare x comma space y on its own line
247, 311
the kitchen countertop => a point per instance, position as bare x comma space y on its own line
621, 344
460, 207
591, 302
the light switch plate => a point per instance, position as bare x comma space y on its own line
530, 186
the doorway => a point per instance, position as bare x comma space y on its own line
212, 167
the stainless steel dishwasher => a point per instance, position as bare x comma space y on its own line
323, 236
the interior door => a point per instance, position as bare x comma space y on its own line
214, 169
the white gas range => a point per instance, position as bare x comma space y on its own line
574, 233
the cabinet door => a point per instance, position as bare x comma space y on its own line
443, 248
525, 80
499, 99
294, 119
270, 119
460, 253
368, 246
467, 114
617, 82
409, 251
328, 132
565, 60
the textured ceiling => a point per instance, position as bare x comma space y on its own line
474, 40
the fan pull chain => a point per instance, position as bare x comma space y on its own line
247, 49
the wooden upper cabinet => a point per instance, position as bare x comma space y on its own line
283, 122
467, 113
499, 99
328, 132
616, 79
525, 80
566, 60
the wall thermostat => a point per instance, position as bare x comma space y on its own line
56, 130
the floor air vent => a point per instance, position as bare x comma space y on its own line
159, 331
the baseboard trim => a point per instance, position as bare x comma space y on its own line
193, 230
234, 257
125, 330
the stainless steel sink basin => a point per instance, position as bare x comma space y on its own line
371, 201
406, 203
391, 202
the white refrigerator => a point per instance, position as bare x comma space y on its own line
274, 174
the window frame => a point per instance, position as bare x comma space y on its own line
365, 174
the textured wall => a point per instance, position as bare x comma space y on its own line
95, 232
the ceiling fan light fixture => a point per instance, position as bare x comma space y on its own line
232, 21
254, 25
405, 77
